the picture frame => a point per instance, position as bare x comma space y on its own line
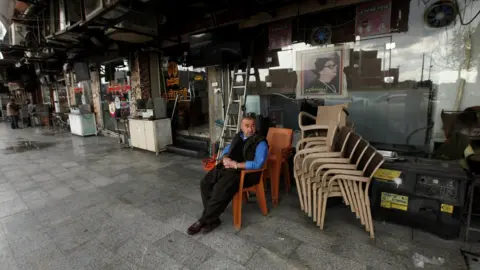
320, 73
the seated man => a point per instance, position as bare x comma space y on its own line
247, 151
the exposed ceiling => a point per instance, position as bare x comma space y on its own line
122, 27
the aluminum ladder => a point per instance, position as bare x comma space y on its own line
236, 105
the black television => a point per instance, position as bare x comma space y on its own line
82, 73
217, 47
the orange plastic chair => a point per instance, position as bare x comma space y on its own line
242, 194
280, 142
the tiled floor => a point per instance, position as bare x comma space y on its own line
85, 203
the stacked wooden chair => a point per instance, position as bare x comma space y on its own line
340, 164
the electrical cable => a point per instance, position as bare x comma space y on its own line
460, 16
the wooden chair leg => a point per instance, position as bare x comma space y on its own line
359, 203
324, 209
299, 189
314, 198
369, 215
237, 210
309, 196
319, 205
286, 176
262, 200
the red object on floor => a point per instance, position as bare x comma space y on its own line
209, 163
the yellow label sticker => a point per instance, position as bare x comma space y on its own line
394, 201
387, 174
446, 208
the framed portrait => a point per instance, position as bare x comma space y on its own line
320, 73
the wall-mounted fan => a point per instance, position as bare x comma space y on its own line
321, 35
440, 14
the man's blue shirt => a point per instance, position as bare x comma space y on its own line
261, 155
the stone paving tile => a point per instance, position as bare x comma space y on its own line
91, 254
11, 207
142, 253
20, 223
316, 258
274, 241
3, 239
61, 192
8, 195
232, 246
265, 259
69, 235
28, 242
7, 260
184, 250
220, 262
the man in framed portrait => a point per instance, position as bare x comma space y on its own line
326, 76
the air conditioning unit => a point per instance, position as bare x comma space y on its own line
17, 34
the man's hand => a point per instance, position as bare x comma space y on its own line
226, 162
229, 163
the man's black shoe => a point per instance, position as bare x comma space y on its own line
195, 228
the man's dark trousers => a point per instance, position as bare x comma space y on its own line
218, 188
14, 119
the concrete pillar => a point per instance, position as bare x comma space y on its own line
135, 83
155, 75
215, 104
96, 96
144, 69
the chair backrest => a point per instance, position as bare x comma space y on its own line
351, 144
335, 113
359, 151
341, 139
279, 138
375, 162
365, 158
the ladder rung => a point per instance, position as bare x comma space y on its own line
240, 73
239, 86
227, 138
236, 100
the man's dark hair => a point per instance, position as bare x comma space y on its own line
320, 62
249, 116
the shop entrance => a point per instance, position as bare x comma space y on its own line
187, 97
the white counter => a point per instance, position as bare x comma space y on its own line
150, 135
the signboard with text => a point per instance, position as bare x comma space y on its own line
373, 18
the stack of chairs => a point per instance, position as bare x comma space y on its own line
340, 164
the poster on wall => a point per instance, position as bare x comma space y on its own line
279, 35
173, 79
320, 73
373, 18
